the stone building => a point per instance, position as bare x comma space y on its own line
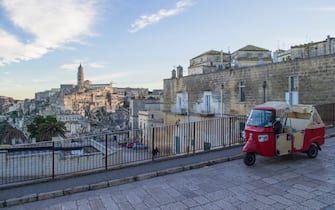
129, 93
75, 124
237, 90
45, 95
250, 56
314, 49
88, 100
282, 55
143, 112
309, 50
209, 61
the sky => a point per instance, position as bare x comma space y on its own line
137, 43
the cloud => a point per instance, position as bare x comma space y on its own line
74, 66
96, 65
145, 20
50, 25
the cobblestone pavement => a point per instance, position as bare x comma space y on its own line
290, 182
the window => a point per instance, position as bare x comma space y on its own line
260, 118
292, 96
293, 83
179, 105
242, 91
207, 103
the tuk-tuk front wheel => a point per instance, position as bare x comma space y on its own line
249, 159
313, 151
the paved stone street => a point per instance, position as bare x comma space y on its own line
290, 182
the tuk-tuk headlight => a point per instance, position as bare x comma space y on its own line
243, 135
263, 138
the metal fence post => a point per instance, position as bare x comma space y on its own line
153, 153
189, 138
53, 160
193, 140
230, 130
106, 152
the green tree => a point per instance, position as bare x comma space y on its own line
44, 128
33, 128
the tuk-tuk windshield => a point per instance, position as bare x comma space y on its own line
260, 118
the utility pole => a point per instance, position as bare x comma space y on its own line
188, 105
264, 88
222, 87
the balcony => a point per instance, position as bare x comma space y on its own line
182, 111
206, 113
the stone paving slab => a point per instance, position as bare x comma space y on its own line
230, 185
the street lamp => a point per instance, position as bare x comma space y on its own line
264, 87
188, 105
222, 87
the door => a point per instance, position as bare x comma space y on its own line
283, 144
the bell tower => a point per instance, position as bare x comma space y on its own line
80, 76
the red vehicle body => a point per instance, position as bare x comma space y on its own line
275, 129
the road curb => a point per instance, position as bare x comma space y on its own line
77, 189
111, 183
145, 176
48, 195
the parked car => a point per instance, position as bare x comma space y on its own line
130, 145
139, 146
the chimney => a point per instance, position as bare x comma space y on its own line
179, 71
173, 74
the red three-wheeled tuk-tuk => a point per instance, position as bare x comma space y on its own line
276, 128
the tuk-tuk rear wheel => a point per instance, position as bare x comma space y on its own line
313, 151
249, 159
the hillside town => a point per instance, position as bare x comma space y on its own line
85, 108
218, 83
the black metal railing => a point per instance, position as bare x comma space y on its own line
47, 160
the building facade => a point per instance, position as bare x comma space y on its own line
282, 55
238, 90
209, 61
309, 50
143, 113
314, 49
250, 56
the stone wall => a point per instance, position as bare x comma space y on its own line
316, 85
